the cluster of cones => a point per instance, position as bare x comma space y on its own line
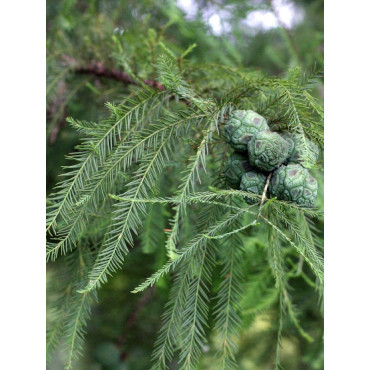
260, 152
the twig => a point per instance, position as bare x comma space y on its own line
57, 112
264, 193
97, 68
133, 317
300, 264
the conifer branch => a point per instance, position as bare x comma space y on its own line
86, 161
198, 242
311, 256
96, 68
127, 220
168, 336
227, 309
96, 189
72, 310
196, 310
187, 183
171, 320
113, 192
259, 293
109, 259
77, 319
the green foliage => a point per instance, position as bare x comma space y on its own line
230, 292
297, 157
72, 309
144, 205
131, 143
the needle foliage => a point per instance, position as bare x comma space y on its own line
146, 179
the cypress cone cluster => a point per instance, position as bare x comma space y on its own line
259, 151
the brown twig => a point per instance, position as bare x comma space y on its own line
54, 131
133, 317
94, 69
97, 68
55, 106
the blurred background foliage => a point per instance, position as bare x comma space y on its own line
127, 35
